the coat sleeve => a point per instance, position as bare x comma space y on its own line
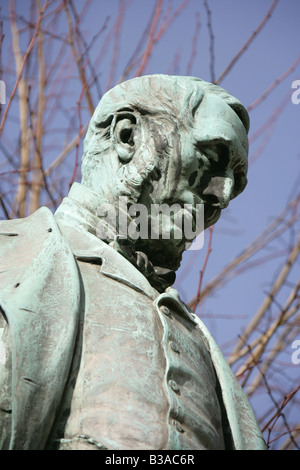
39, 300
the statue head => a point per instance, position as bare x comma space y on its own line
167, 139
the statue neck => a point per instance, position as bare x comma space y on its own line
80, 209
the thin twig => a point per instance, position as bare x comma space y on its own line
21, 192
37, 177
194, 44
78, 137
1, 41
150, 39
266, 303
248, 42
81, 70
211, 42
279, 346
38, 168
65, 152
27, 53
271, 120
270, 424
167, 23
135, 55
286, 313
3, 205
295, 433
278, 80
209, 249
116, 47
271, 233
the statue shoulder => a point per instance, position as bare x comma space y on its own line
14, 227
39, 300
31, 241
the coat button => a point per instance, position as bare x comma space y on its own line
174, 346
178, 426
174, 386
165, 311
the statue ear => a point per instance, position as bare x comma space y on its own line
122, 135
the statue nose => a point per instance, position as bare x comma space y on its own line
218, 191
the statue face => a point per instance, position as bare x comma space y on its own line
214, 157
206, 164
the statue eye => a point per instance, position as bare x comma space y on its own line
212, 154
220, 153
217, 154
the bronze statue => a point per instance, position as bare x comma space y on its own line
97, 349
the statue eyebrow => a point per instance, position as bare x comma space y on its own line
214, 141
237, 163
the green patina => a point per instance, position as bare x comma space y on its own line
97, 350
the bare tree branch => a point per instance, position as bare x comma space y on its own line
248, 42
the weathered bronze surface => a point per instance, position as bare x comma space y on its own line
97, 350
